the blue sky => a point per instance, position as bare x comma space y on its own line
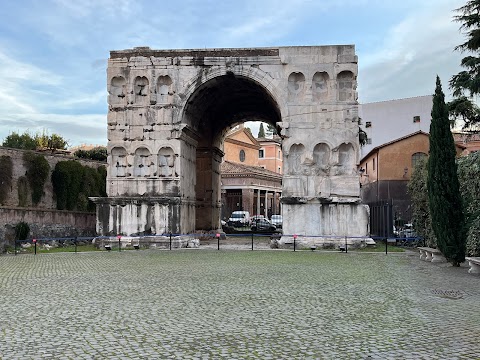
53, 53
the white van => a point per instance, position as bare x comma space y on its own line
239, 219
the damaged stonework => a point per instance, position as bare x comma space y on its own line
169, 111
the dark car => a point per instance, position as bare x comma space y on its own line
263, 225
277, 220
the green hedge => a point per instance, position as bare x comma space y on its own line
37, 173
73, 183
6, 171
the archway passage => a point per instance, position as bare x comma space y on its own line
214, 108
225, 101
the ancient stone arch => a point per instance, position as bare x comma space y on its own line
166, 138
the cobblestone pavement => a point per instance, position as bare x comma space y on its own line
207, 304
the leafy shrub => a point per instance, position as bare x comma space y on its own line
473, 238
469, 177
98, 153
21, 230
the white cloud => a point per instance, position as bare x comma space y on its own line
18, 82
14, 70
414, 52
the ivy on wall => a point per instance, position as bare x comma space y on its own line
37, 173
73, 183
22, 190
6, 166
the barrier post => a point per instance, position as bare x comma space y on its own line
252, 241
294, 241
170, 241
35, 243
75, 240
346, 245
217, 235
119, 244
386, 246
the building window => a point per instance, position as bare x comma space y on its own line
417, 157
369, 141
242, 155
261, 153
368, 124
416, 118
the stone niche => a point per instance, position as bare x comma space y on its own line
168, 108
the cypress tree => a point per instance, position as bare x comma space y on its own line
443, 187
261, 131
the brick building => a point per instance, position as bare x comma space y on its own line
248, 181
387, 168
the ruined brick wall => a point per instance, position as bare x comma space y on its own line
44, 220
48, 200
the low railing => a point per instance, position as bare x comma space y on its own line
243, 241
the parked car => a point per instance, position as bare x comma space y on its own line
277, 220
254, 218
408, 231
239, 219
263, 225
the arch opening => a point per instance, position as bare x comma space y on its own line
212, 110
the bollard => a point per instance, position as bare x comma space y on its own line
35, 243
75, 241
386, 246
346, 245
119, 244
170, 241
252, 241
294, 241
217, 235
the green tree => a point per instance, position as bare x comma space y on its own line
442, 183
20, 141
98, 153
50, 142
464, 109
271, 129
417, 189
468, 80
469, 178
261, 131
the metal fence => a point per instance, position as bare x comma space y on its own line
381, 219
244, 241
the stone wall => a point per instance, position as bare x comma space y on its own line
44, 220
44, 223
48, 200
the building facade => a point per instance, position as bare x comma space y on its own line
247, 184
